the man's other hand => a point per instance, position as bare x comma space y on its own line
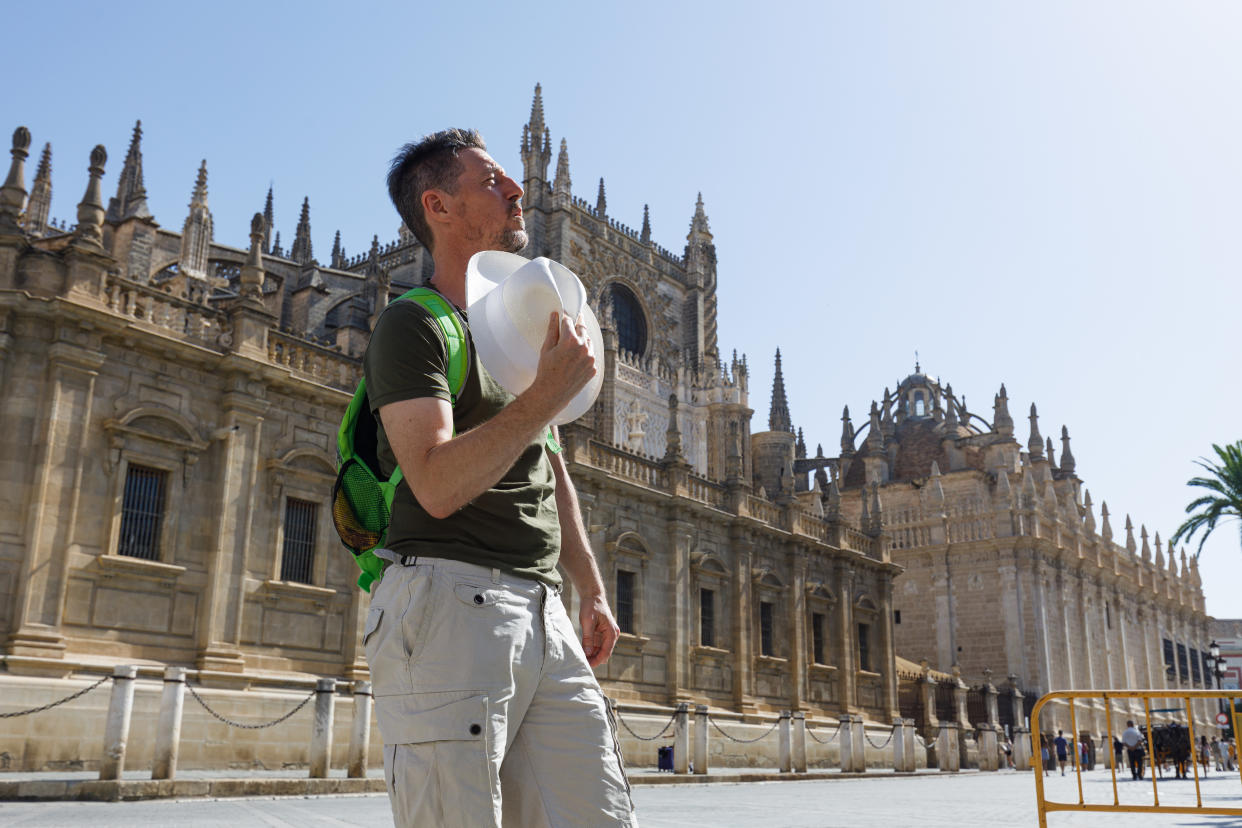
599, 629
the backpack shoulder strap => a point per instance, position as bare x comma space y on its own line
454, 334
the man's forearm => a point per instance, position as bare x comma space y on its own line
459, 469
576, 554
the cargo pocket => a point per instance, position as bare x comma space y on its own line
442, 755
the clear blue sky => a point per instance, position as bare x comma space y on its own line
1047, 194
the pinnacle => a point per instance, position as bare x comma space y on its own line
778, 416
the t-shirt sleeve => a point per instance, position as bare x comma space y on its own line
407, 357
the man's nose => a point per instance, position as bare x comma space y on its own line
512, 189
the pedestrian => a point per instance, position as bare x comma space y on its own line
1218, 757
1062, 746
484, 696
1043, 752
1118, 750
1085, 754
1008, 748
1132, 738
1205, 754
1233, 754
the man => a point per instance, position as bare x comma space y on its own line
1133, 740
1062, 747
488, 708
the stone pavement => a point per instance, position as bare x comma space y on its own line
967, 800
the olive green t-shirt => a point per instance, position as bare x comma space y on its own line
513, 525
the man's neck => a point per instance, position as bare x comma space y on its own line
450, 277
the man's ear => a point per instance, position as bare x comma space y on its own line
435, 207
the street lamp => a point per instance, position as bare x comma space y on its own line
1217, 665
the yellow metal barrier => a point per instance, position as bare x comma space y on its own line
1045, 807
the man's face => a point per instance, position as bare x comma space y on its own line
486, 208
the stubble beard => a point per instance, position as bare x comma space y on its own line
511, 241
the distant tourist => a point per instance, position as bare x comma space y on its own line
1062, 747
1133, 740
1043, 752
1218, 754
1205, 754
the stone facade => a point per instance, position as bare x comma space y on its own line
169, 431
1005, 565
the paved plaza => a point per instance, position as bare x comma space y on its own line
964, 801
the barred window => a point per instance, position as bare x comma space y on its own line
766, 644
864, 647
1194, 667
625, 601
817, 638
707, 618
1169, 669
298, 557
142, 512
627, 313
1181, 662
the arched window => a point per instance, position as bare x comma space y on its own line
628, 316
920, 407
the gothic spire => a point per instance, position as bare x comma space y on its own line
252, 272
847, 432
601, 201
1067, 459
886, 416
800, 446
1146, 545
40, 203
337, 256
1036, 443
276, 249
301, 250
536, 150
1052, 458
1131, 546
13, 193
698, 224
197, 232
1106, 528
131, 196
875, 431
1001, 421
1089, 517
645, 235
269, 218
778, 416
563, 185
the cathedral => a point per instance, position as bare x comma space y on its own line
170, 427
1007, 566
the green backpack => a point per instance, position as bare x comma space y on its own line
361, 501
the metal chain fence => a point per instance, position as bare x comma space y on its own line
867, 736
919, 739
49, 706
827, 741
260, 726
712, 722
663, 730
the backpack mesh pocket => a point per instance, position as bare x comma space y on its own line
359, 508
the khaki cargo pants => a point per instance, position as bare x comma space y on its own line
489, 712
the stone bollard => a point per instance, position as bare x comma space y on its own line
947, 748
360, 736
799, 742
860, 744
988, 748
786, 748
116, 731
846, 736
168, 731
681, 739
321, 728
899, 745
912, 764
1021, 749
700, 739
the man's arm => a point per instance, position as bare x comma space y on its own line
599, 628
446, 472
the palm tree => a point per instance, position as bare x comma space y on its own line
1225, 483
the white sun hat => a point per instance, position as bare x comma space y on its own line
509, 299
